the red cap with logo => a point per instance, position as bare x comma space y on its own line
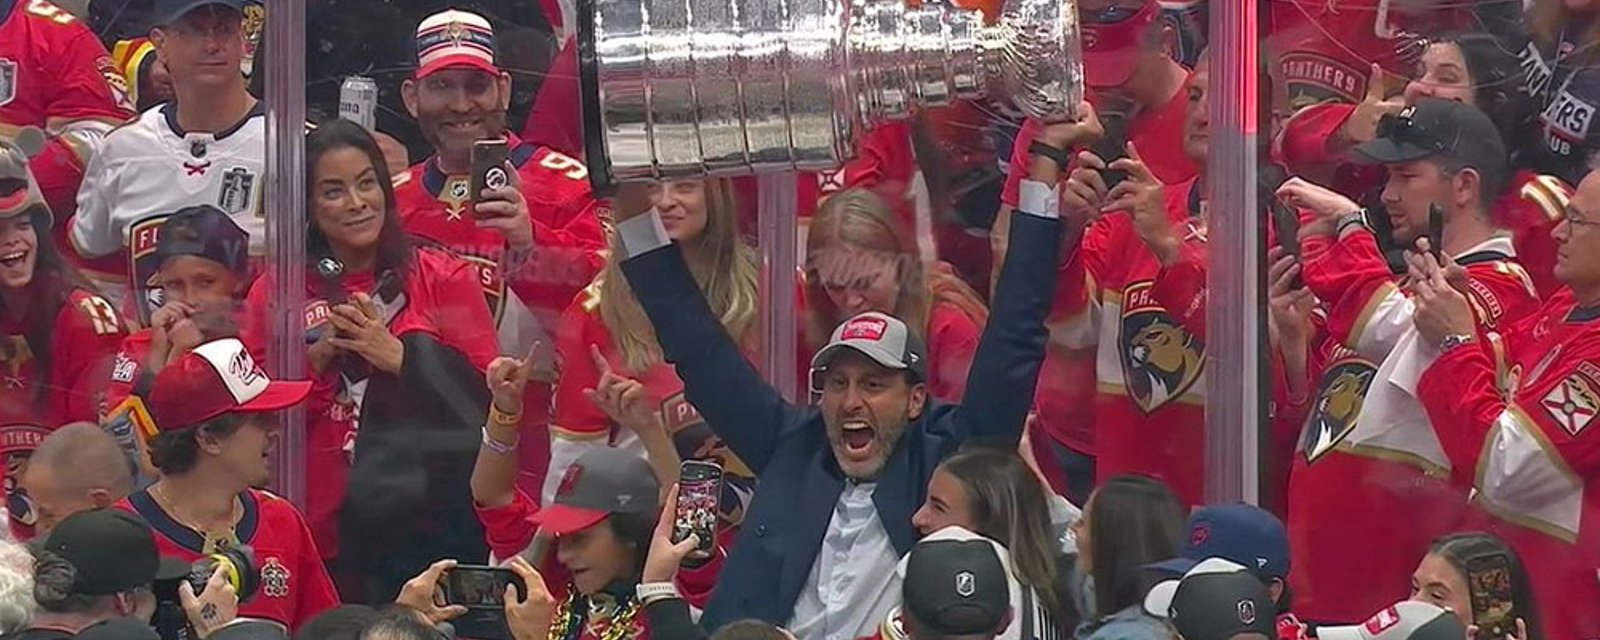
1113, 40
215, 378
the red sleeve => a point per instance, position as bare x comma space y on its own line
576, 418
1350, 277
1181, 288
88, 335
1500, 293
509, 529
1017, 169
1309, 135
83, 90
567, 236
125, 369
1080, 275
695, 584
254, 331
953, 340
459, 314
317, 593
1531, 212
884, 159
555, 120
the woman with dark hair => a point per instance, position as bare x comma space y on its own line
994, 493
1129, 523
380, 314
57, 337
1441, 579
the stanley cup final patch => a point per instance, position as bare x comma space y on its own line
238, 191
8, 81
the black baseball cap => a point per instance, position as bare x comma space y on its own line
1434, 127
956, 582
602, 482
118, 629
112, 551
207, 232
171, 11
1215, 600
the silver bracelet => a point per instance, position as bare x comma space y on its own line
500, 448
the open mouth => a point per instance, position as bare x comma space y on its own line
13, 259
858, 437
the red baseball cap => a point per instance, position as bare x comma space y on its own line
215, 378
455, 38
1113, 41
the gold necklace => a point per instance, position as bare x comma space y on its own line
215, 539
570, 624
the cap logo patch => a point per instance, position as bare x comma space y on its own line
569, 480
1383, 621
1200, 534
455, 32
1408, 111
966, 584
864, 329
1247, 612
623, 499
244, 368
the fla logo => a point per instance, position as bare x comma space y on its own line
1160, 359
1340, 394
145, 266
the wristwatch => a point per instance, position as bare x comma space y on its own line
649, 592
1357, 217
1452, 341
1061, 156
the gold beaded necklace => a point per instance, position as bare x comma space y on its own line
570, 623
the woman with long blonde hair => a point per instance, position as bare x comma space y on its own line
605, 328
860, 258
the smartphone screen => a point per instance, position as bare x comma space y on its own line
699, 492
480, 587
1489, 583
488, 166
1112, 146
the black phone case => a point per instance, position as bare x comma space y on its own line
488, 167
1436, 232
694, 472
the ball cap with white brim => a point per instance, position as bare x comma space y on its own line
1215, 600
881, 337
1404, 621
215, 378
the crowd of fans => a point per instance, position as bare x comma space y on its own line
506, 390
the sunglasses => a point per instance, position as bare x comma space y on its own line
1401, 128
1111, 14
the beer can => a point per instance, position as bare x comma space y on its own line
358, 101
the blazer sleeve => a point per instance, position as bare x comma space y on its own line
740, 407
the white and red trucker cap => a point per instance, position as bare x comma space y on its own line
215, 378
455, 38
883, 338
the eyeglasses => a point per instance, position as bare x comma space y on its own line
1401, 128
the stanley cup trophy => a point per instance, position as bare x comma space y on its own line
676, 89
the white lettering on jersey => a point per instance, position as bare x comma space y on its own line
1568, 116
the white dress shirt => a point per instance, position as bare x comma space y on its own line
853, 583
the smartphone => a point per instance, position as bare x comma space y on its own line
481, 587
1112, 146
1436, 232
1489, 583
489, 166
699, 493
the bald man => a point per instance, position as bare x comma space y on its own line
77, 468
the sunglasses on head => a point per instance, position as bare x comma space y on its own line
1111, 14
1401, 128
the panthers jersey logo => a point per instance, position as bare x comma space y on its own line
1160, 359
14, 355
1340, 394
274, 579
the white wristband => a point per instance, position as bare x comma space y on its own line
648, 592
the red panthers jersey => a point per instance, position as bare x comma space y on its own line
56, 76
294, 587
34, 401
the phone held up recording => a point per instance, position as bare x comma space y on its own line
699, 493
489, 166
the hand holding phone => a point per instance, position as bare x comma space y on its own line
1494, 609
489, 167
699, 494
481, 587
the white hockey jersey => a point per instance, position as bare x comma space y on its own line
150, 168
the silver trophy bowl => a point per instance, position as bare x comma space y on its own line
678, 89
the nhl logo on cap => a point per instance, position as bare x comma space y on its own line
966, 584
1247, 612
864, 329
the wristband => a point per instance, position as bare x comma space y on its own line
1062, 157
1448, 343
1357, 217
500, 448
649, 592
502, 419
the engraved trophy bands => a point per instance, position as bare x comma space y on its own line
709, 88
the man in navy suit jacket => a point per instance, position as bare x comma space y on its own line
838, 482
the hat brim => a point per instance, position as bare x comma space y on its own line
457, 62
562, 520
1386, 151
1341, 633
171, 569
279, 394
1109, 68
867, 348
1176, 566
1158, 602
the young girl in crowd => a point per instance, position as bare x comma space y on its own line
57, 337
366, 288
605, 328
859, 258
1129, 523
1442, 579
995, 494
